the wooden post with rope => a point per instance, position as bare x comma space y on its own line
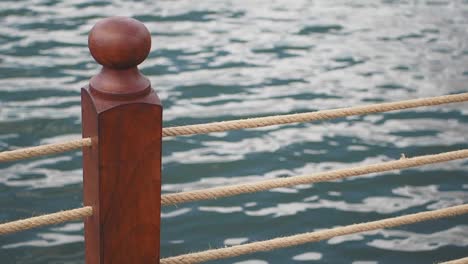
122, 169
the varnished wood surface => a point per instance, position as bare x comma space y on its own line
122, 169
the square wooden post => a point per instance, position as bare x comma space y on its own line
122, 115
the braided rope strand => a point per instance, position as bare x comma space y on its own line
43, 220
232, 190
299, 239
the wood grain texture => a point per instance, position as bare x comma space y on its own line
122, 169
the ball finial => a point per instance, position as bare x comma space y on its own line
119, 42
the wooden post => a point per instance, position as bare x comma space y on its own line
122, 170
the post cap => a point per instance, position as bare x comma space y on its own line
119, 42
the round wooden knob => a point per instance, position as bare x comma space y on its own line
119, 42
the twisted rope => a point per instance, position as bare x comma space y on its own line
247, 123
457, 261
43, 220
299, 239
312, 116
232, 190
44, 150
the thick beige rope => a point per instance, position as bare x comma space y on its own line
232, 190
457, 261
312, 116
43, 220
55, 148
299, 239
247, 123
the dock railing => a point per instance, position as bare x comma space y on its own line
122, 137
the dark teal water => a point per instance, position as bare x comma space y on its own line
219, 60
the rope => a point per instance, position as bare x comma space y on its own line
44, 150
247, 123
457, 261
232, 190
312, 116
299, 239
43, 220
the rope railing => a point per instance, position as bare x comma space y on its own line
312, 116
299, 239
456, 261
55, 148
247, 123
122, 137
44, 220
232, 190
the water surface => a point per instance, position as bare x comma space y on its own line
221, 60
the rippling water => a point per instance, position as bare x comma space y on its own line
218, 60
